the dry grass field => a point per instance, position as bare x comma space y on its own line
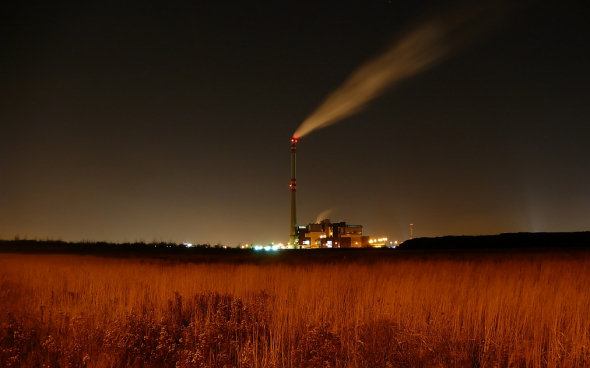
524, 310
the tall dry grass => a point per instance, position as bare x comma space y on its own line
522, 311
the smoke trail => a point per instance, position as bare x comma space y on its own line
420, 48
323, 215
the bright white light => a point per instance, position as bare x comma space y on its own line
268, 247
188, 245
258, 247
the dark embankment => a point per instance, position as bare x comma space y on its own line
501, 241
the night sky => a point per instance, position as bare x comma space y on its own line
142, 121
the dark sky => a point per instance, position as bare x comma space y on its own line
171, 120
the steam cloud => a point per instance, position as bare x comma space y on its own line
323, 215
420, 48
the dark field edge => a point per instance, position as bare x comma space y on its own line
468, 248
502, 241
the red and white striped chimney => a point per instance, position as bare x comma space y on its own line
293, 237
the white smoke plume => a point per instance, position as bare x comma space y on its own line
421, 47
324, 215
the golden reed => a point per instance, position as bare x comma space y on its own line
86, 311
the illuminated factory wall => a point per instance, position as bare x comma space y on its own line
332, 235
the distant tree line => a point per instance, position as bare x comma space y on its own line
19, 245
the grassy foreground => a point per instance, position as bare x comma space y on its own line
521, 310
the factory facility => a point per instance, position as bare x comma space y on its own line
331, 235
323, 234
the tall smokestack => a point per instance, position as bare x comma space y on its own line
293, 238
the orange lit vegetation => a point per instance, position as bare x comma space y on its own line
522, 311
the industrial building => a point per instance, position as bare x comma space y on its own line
323, 234
331, 235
